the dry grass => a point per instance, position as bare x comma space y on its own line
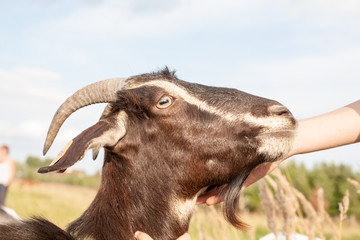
283, 203
356, 184
59, 203
270, 207
343, 208
208, 223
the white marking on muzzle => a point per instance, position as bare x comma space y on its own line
271, 122
275, 147
271, 145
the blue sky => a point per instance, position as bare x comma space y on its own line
305, 54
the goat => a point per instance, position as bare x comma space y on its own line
166, 141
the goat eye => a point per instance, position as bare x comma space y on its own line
164, 102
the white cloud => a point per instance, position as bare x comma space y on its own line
34, 130
29, 74
27, 95
321, 69
30, 129
308, 85
111, 20
333, 6
30, 82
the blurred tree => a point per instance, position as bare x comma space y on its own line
333, 179
47, 162
35, 162
298, 175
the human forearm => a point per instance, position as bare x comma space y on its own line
333, 129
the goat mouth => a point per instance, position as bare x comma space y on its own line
276, 144
285, 133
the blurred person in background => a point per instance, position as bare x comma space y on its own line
7, 172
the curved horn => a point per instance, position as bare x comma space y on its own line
99, 92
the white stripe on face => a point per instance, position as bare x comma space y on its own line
274, 122
174, 89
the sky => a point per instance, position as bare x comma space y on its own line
304, 54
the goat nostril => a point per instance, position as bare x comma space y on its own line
279, 110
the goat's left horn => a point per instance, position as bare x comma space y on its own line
99, 92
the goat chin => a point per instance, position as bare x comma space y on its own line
184, 208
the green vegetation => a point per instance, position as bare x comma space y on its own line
28, 170
59, 203
332, 178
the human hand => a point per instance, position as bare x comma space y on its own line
261, 171
143, 236
216, 195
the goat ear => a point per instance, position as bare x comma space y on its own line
102, 134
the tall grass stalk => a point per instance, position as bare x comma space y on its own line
324, 217
343, 208
287, 203
269, 206
355, 183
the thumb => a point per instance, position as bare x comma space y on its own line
142, 236
186, 236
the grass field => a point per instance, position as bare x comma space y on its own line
59, 203
62, 203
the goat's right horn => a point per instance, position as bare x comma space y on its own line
99, 92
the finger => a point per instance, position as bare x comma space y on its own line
260, 171
142, 236
186, 236
204, 197
214, 200
213, 196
